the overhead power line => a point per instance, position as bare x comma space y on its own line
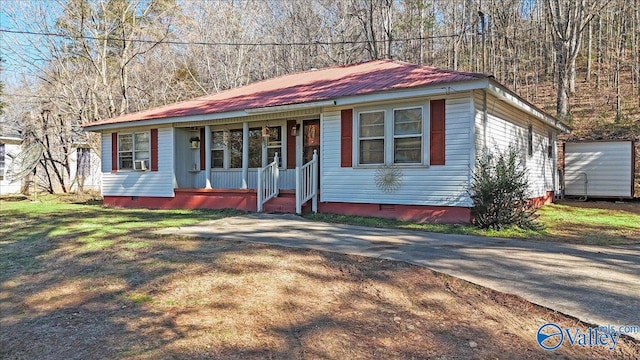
73, 97
225, 43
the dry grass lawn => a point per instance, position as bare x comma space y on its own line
567, 221
592, 222
70, 294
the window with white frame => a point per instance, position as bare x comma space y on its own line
235, 148
407, 136
391, 135
371, 137
132, 148
217, 149
274, 144
231, 143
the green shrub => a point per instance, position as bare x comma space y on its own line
500, 191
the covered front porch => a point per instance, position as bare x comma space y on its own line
256, 166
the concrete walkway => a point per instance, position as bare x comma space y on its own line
598, 285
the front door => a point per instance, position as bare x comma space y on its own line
310, 141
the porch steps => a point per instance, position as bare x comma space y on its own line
285, 203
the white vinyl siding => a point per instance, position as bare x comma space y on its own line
507, 125
599, 169
140, 183
420, 185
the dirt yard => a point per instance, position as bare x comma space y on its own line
79, 281
152, 298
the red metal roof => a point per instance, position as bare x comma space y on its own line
308, 86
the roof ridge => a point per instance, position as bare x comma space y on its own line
438, 69
303, 86
282, 76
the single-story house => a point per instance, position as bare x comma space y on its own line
380, 138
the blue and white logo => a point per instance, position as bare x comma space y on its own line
550, 336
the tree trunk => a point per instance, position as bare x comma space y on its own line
599, 52
372, 31
572, 76
589, 43
562, 100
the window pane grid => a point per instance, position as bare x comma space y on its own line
407, 136
407, 121
217, 158
372, 125
217, 140
372, 151
132, 147
274, 145
371, 137
408, 150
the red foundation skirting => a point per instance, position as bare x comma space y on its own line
546, 199
190, 199
416, 213
246, 200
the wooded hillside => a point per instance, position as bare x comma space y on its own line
87, 60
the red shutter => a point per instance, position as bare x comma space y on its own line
154, 149
437, 155
114, 152
291, 145
346, 136
202, 164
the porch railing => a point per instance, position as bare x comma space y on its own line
307, 184
268, 180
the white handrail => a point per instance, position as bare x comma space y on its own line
268, 183
307, 184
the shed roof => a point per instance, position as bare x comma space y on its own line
9, 130
304, 87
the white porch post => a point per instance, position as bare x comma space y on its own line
207, 156
265, 161
245, 155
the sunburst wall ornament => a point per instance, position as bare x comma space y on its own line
388, 178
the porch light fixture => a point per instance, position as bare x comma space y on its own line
295, 130
195, 142
266, 132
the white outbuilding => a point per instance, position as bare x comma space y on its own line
603, 169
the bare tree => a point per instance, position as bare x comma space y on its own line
568, 19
